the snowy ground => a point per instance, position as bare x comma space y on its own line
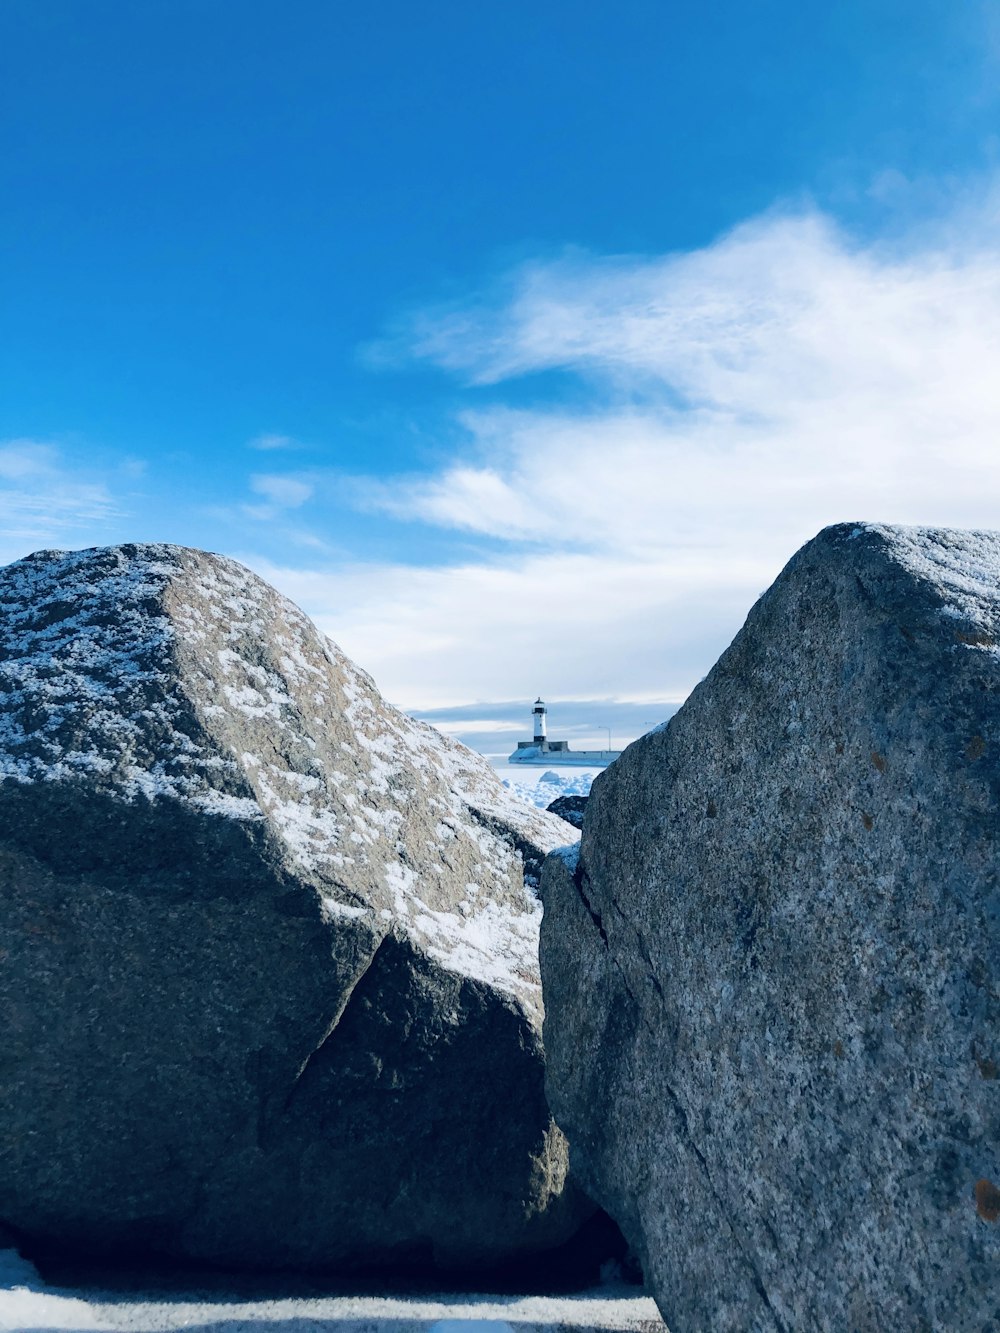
28, 1305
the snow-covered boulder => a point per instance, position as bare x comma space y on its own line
771, 977
269, 980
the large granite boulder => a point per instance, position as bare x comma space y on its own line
269, 990
772, 973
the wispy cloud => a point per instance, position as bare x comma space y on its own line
280, 494
739, 398
21, 459
46, 502
269, 441
286, 492
785, 303
748, 393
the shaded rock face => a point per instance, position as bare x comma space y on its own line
771, 974
570, 808
269, 987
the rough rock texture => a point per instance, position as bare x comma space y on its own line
570, 808
268, 961
772, 977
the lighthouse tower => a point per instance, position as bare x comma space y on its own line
538, 713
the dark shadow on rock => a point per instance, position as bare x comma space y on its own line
576, 1266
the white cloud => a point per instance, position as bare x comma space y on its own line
577, 624
739, 398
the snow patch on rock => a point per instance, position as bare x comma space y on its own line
153, 672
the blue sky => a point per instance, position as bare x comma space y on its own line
521, 343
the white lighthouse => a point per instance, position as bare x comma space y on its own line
540, 750
538, 713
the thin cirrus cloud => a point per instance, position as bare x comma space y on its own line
287, 492
736, 399
278, 493
269, 441
44, 501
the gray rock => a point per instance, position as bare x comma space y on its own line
772, 978
570, 808
269, 991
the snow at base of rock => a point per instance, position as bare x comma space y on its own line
29, 1305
